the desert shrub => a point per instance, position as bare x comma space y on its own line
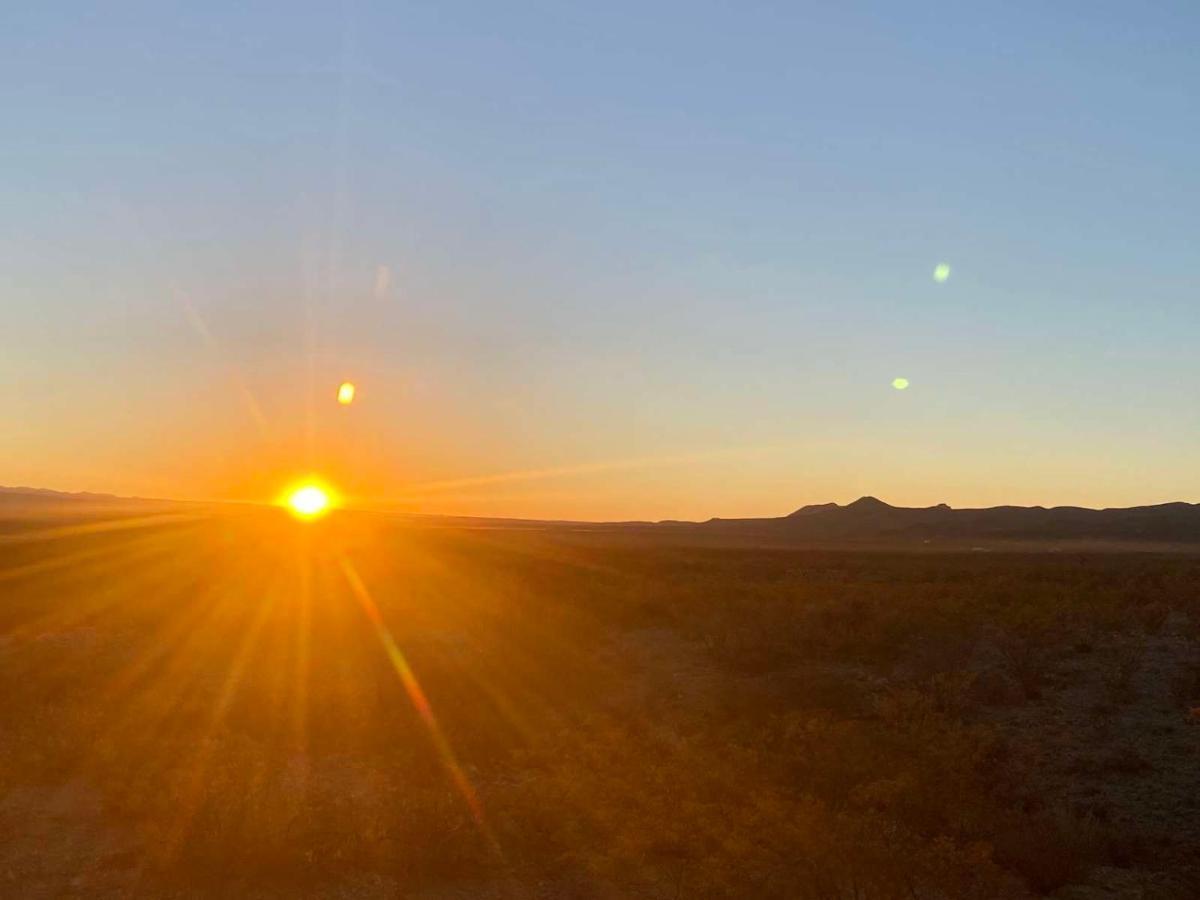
1027, 663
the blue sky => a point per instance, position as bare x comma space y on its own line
626, 234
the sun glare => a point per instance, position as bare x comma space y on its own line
308, 501
345, 394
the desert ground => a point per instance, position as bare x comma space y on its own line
204, 702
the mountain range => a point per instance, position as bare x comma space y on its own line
869, 517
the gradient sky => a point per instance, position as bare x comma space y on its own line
605, 260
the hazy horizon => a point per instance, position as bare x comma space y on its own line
602, 263
410, 507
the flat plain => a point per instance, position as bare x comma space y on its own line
205, 702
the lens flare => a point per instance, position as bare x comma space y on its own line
345, 394
419, 701
900, 384
941, 272
308, 501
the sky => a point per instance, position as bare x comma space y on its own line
602, 261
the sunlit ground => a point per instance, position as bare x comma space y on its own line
236, 701
216, 674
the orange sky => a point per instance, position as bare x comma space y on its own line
405, 443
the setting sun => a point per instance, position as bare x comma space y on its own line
308, 501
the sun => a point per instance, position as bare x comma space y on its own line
308, 501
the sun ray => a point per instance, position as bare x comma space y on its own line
417, 696
303, 648
123, 523
191, 794
137, 555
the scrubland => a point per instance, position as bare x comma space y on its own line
243, 705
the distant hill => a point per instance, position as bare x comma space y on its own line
871, 518
20, 501
46, 494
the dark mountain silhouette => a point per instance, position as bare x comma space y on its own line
813, 509
871, 518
